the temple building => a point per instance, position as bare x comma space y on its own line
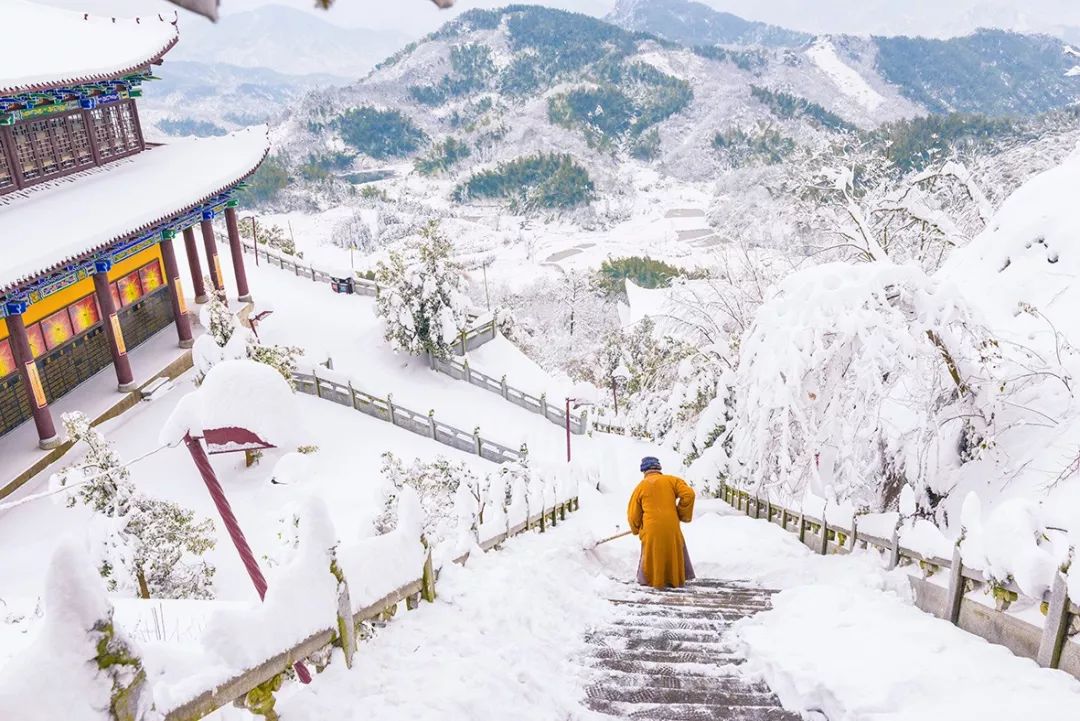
91, 214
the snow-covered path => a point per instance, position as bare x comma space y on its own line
498, 644
506, 638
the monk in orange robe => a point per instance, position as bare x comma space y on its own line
657, 506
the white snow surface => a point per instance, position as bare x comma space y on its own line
846, 78
90, 210
73, 687
855, 653
46, 45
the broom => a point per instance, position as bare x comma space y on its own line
590, 545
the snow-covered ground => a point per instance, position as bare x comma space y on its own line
842, 640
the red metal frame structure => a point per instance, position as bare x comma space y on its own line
228, 440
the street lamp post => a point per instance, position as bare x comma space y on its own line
577, 403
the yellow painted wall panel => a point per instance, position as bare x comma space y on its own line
56, 301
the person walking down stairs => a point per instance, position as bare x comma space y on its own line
659, 503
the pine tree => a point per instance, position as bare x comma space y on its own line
422, 300
147, 545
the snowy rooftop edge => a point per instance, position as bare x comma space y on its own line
84, 213
51, 47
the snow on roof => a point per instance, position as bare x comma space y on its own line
48, 227
48, 47
645, 303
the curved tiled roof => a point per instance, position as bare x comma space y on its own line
47, 228
46, 47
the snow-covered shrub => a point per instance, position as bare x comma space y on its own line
282, 358
79, 665
422, 295
855, 377
227, 339
272, 236
144, 545
219, 321
436, 483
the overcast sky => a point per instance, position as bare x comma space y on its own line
927, 17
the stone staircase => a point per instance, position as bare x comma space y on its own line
665, 657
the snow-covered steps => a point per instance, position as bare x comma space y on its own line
665, 656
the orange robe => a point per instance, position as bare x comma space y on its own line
654, 517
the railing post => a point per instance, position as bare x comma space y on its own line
768, 509
955, 597
543, 404
802, 527
783, 518
318, 386
894, 548
431, 422
505, 389
390, 408
823, 549
1057, 624
352, 395
346, 627
477, 443
427, 584
468, 373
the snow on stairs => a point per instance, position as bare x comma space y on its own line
665, 657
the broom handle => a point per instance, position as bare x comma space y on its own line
614, 538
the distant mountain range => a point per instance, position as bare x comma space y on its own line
994, 72
286, 40
692, 23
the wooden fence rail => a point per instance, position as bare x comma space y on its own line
259, 683
1051, 645
385, 409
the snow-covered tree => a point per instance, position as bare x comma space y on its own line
854, 380
436, 483
422, 297
354, 232
145, 545
868, 210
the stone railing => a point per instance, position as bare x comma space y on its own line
554, 412
254, 687
1049, 645
331, 387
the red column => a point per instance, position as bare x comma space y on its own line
237, 252
31, 381
176, 291
125, 380
197, 284
212, 258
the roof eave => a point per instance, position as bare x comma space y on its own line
59, 265
95, 78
